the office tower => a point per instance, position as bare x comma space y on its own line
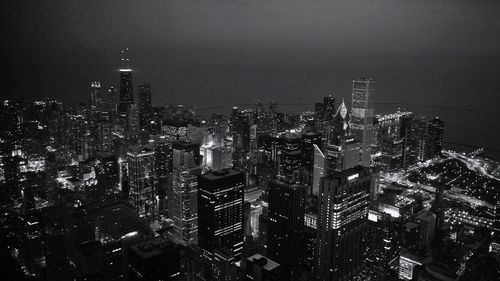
163, 172
144, 95
126, 87
307, 148
382, 245
328, 107
318, 112
220, 211
141, 175
260, 268
95, 94
133, 119
183, 196
340, 126
362, 114
417, 139
154, 259
318, 168
240, 128
105, 137
435, 131
405, 135
285, 241
110, 100
145, 106
342, 219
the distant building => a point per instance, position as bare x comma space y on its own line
436, 128
362, 114
126, 87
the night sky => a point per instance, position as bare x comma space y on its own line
207, 52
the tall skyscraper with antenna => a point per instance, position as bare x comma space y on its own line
126, 86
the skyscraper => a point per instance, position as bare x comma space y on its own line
285, 242
435, 145
342, 220
220, 211
133, 119
141, 176
362, 114
144, 94
126, 86
95, 94
183, 204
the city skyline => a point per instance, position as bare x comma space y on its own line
250, 140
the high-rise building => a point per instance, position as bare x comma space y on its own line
144, 95
133, 119
183, 195
382, 245
126, 86
342, 219
220, 211
95, 94
141, 174
318, 168
362, 114
436, 127
328, 107
285, 242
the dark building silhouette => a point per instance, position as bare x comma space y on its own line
126, 86
285, 242
436, 128
154, 259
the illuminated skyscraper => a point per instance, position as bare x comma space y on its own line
342, 220
183, 196
95, 94
362, 114
220, 211
141, 175
126, 86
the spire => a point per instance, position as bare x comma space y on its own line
342, 109
125, 60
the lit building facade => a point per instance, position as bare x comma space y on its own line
362, 114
